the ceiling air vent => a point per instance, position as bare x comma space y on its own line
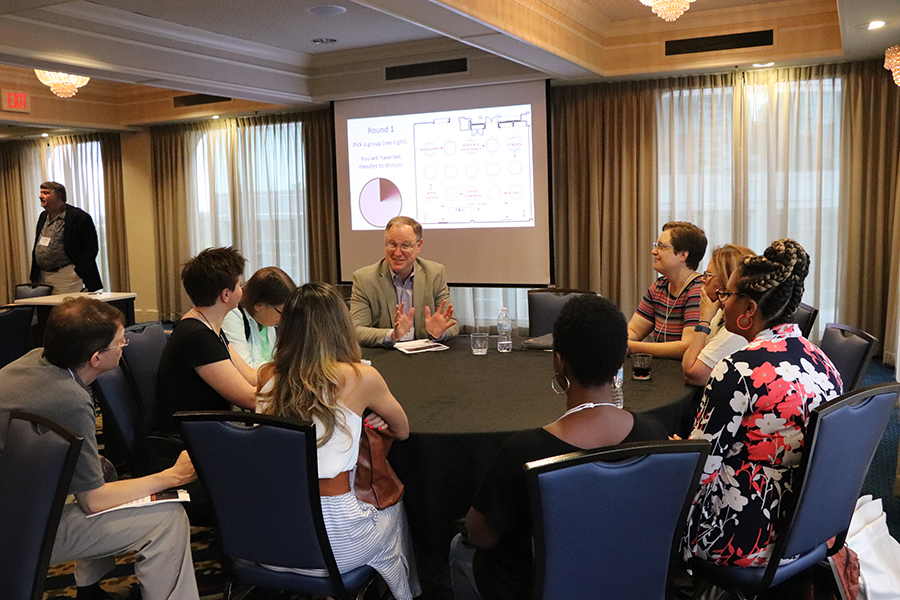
713, 43
197, 100
438, 67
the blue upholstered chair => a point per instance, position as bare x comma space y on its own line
544, 305
146, 342
266, 513
608, 523
35, 471
126, 396
805, 317
841, 438
850, 350
15, 331
123, 418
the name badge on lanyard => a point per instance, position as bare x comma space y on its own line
44, 241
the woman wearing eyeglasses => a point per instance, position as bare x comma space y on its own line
251, 326
755, 409
711, 341
671, 307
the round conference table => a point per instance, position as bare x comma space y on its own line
461, 407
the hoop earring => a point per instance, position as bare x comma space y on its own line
553, 384
749, 325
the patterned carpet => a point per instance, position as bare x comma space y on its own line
210, 581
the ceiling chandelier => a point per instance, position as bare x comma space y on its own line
61, 84
892, 62
668, 10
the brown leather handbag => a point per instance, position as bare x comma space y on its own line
375, 482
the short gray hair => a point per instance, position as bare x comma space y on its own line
406, 221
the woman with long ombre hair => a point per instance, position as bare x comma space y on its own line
317, 376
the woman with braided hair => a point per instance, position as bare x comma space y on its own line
755, 409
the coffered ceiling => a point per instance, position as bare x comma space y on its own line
266, 51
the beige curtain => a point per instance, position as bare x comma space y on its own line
249, 182
604, 188
318, 146
116, 237
789, 168
16, 233
170, 164
696, 145
870, 163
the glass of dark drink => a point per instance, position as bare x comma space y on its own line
640, 366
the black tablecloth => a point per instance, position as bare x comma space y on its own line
454, 392
461, 407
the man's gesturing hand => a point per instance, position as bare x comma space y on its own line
442, 319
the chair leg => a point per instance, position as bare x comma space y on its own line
376, 589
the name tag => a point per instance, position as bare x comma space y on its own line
44, 241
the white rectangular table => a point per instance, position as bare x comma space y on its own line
124, 301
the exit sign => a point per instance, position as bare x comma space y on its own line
15, 101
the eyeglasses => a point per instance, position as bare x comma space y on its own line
707, 275
276, 309
118, 346
405, 246
722, 294
661, 246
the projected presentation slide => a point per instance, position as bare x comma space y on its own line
448, 170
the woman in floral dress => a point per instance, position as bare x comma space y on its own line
754, 411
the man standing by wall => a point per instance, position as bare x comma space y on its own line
65, 245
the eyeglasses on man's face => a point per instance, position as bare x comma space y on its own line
661, 246
118, 346
405, 246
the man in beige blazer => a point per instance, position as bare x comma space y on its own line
401, 297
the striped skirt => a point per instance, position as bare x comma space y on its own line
360, 534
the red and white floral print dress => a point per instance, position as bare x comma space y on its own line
754, 413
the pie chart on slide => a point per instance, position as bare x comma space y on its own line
379, 202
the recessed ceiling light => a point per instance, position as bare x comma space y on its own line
768, 64
45, 135
327, 10
324, 41
215, 117
876, 24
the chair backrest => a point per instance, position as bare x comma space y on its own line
123, 417
345, 290
141, 356
805, 317
281, 522
841, 438
850, 350
33, 290
608, 523
15, 331
544, 305
35, 471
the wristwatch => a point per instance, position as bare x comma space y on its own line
703, 329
